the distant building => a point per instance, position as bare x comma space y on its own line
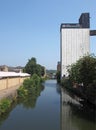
58, 66
74, 41
4, 68
15, 69
11, 69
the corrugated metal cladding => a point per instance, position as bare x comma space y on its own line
75, 43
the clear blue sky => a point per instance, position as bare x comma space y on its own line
31, 28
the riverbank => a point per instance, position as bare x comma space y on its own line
10, 92
73, 115
86, 94
40, 110
28, 88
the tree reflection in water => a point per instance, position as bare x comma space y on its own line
28, 102
4, 116
74, 116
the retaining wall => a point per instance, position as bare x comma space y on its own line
9, 82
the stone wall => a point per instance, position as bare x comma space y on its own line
6, 83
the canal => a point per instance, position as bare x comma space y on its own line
50, 108
41, 111
74, 116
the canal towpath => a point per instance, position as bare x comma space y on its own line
8, 92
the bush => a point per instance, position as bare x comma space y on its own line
66, 82
22, 92
4, 105
35, 80
58, 76
29, 86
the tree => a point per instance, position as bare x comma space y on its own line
30, 66
88, 70
33, 68
58, 76
84, 71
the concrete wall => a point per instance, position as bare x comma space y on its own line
11, 82
3, 84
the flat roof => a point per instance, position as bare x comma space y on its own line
12, 74
70, 25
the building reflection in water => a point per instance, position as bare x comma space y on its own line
73, 117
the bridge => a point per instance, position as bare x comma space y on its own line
92, 32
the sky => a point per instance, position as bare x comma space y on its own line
31, 28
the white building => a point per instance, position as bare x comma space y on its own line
75, 42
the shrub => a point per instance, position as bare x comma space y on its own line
58, 76
29, 86
4, 105
22, 92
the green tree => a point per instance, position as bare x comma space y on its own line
30, 66
88, 70
33, 68
29, 91
38, 69
84, 71
42, 70
58, 76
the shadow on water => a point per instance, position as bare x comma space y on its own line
82, 112
58, 89
74, 116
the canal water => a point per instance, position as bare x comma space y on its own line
48, 108
39, 112
73, 114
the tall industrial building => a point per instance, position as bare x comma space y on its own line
74, 42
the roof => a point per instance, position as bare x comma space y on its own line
70, 25
13, 74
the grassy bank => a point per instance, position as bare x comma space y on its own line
29, 87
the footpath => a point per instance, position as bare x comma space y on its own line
10, 92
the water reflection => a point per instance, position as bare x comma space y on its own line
73, 116
6, 115
58, 88
28, 102
39, 111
